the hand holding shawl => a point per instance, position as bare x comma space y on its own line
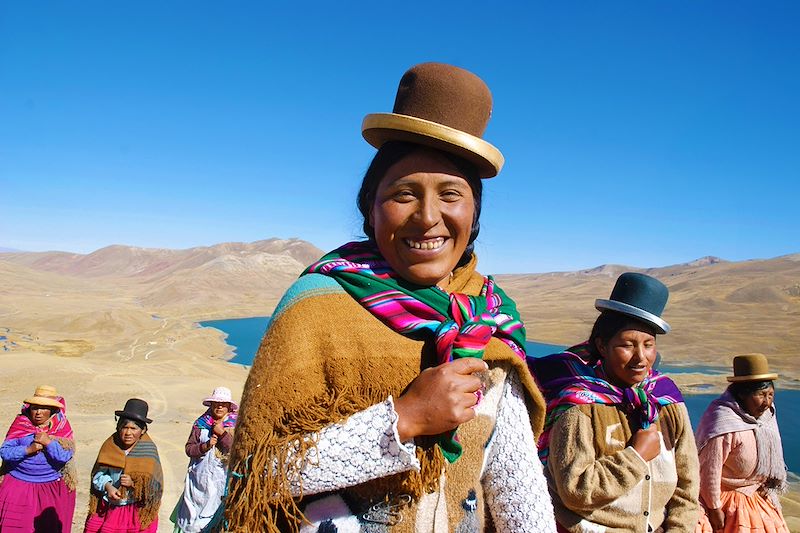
461, 325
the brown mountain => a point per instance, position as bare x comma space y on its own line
716, 309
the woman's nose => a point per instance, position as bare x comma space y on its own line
428, 213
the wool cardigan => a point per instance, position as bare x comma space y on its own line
600, 483
325, 358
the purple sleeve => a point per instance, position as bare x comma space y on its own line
225, 441
55, 452
14, 450
193, 445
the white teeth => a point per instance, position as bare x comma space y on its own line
426, 245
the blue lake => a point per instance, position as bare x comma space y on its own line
244, 336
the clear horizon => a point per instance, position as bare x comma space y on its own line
637, 134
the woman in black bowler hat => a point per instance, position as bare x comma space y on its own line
618, 447
127, 481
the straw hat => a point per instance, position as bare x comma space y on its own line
45, 395
638, 296
221, 395
441, 106
751, 367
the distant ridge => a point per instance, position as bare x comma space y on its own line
135, 262
717, 308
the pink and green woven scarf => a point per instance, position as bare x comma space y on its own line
461, 325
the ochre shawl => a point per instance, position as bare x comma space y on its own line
143, 465
325, 357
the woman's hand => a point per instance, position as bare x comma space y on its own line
42, 438
717, 518
647, 443
34, 448
112, 492
125, 480
211, 442
218, 428
439, 399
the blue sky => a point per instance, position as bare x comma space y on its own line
640, 133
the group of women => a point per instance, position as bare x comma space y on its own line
392, 391
37, 488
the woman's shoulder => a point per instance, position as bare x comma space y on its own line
307, 286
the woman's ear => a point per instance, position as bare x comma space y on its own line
601, 347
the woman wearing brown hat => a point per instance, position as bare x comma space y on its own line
390, 392
742, 470
618, 442
37, 477
127, 481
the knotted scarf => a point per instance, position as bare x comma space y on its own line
57, 427
143, 465
567, 379
725, 415
206, 421
461, 325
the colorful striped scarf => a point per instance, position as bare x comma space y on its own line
567, 379
206, 421
461, 325
57, 425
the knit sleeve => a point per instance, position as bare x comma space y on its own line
194, 447
682, 508
584, 481
57, 454
712, 458
15, 450
100, 479
225, 442
515, 486
365, 446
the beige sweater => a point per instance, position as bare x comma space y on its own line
600, 483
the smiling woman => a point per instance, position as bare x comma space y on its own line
390, 391
618, 445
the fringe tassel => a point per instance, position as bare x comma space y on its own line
259, 494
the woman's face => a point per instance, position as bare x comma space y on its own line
129, 434
39, 414
759, 401
219, 410
422, 217
628, 356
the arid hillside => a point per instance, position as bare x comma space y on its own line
121, 323
716, 308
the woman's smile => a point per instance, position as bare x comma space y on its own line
422, 217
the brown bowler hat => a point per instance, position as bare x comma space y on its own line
440, 106
751, 367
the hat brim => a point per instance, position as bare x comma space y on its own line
629, 310
45, 401
234, 405
380, 128
132, 416
753, 377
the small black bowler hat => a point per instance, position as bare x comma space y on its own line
135, 409
639, 296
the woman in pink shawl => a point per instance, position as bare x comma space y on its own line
742, 471
37, 491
